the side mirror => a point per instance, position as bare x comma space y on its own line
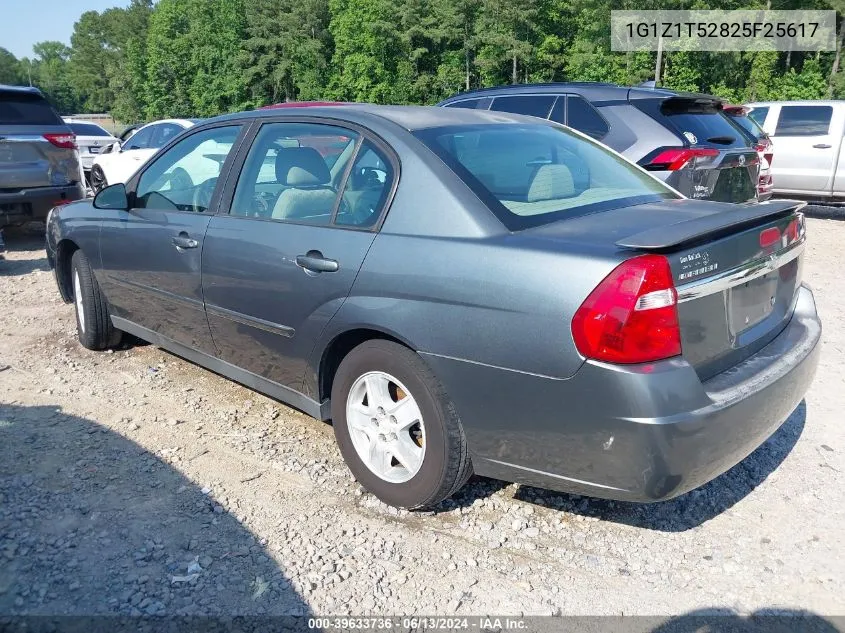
116, 148
112, 197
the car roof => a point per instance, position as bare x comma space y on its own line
185, 123
760, 104
21, 89
590, 90
408, 117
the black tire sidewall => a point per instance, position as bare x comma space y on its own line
89, 337
393, 359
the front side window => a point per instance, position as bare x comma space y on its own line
166, 131
804, 120
534, 174
293, 172
184, 177
142, 139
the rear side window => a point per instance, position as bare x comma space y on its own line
87, 129
533, 174
584, 118
702, 124
27, 109
804, 120
759, 114
530, 105
470, 104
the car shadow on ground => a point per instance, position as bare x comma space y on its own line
92, 523
676, 515
18, 239
767, 620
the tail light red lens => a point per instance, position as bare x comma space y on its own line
632, 315
66, 141
675, 158
769, 237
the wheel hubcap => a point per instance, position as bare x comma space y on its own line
386, 427
77, 295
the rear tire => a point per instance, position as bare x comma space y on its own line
378, 447
93, 322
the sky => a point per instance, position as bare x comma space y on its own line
26, 22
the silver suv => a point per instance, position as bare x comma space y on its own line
39, 161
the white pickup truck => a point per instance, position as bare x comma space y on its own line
807, 136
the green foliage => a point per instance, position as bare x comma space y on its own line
205, 57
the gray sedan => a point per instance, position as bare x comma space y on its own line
458, 291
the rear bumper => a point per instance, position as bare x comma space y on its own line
636, 433
34, 204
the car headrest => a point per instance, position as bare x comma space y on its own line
550, 183
301, 167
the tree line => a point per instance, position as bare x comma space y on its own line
199, 58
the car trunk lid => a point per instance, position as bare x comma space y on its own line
737, 276
736, 268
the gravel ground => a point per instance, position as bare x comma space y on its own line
136, 483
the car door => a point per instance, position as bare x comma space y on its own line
278, 266
151, 254
806, 138
134, 153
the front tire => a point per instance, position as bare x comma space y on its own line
396, 428
93, 323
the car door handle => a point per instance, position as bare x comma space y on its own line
822, 146
315, 262
183, 241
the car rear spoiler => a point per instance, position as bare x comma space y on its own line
695, 229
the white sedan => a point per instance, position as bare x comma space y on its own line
91, 139
125, 159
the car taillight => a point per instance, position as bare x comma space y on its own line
632, 315
765, 148
65, 141
675, 158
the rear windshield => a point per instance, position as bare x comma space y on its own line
702, 124
535, 174
26, 109
749, 125
87, 129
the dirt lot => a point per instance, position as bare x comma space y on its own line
134, 482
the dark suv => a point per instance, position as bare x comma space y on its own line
684, 138
39, 161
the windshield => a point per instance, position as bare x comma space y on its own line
88, 129
535, 174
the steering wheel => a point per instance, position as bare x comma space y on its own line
203, 194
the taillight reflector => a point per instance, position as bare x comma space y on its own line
769, 237
676, 158
631, 316
66, 141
